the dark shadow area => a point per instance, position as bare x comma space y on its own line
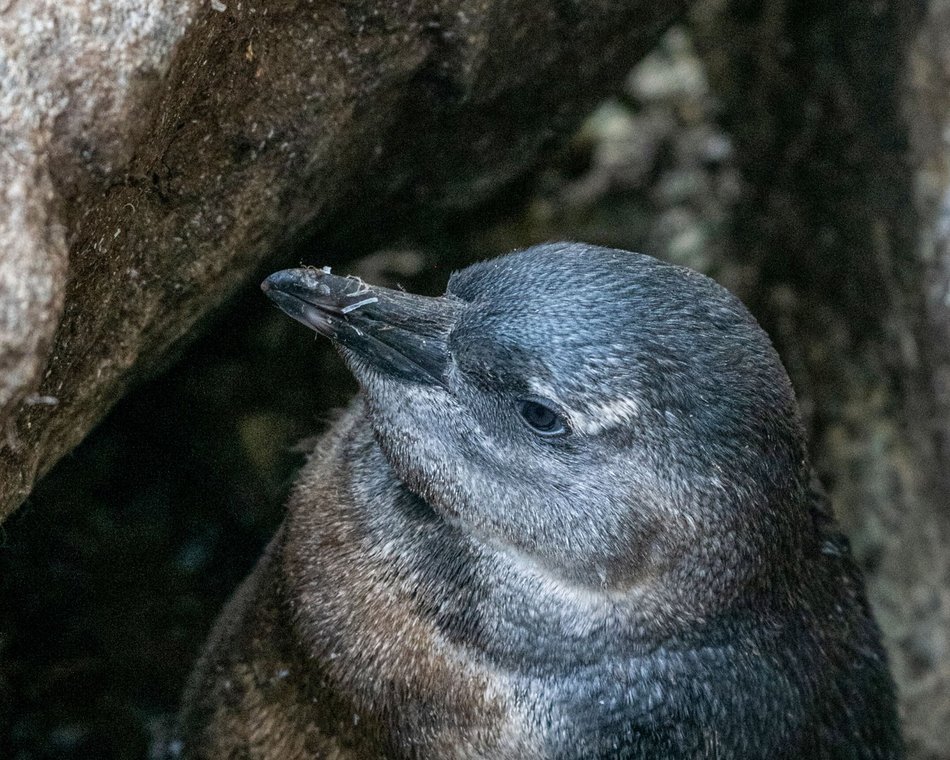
112, 570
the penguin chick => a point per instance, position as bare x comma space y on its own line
568, 516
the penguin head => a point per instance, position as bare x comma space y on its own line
600, 413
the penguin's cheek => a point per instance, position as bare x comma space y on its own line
422, 430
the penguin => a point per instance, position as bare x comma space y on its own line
569, 515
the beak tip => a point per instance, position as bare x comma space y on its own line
284, 280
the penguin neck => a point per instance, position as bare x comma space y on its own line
401, 609
501, 603
387, 603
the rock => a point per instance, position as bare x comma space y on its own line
154, 154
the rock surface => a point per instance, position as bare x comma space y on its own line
153, 154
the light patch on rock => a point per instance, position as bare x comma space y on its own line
68, 70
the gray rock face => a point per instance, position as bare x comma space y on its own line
70, 78
152, 154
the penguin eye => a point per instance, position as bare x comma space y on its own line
541, 417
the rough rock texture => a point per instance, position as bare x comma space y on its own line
152, 154
70, 75
840, 115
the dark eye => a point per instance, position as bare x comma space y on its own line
541, 417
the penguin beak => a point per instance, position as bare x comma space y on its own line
396, 333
